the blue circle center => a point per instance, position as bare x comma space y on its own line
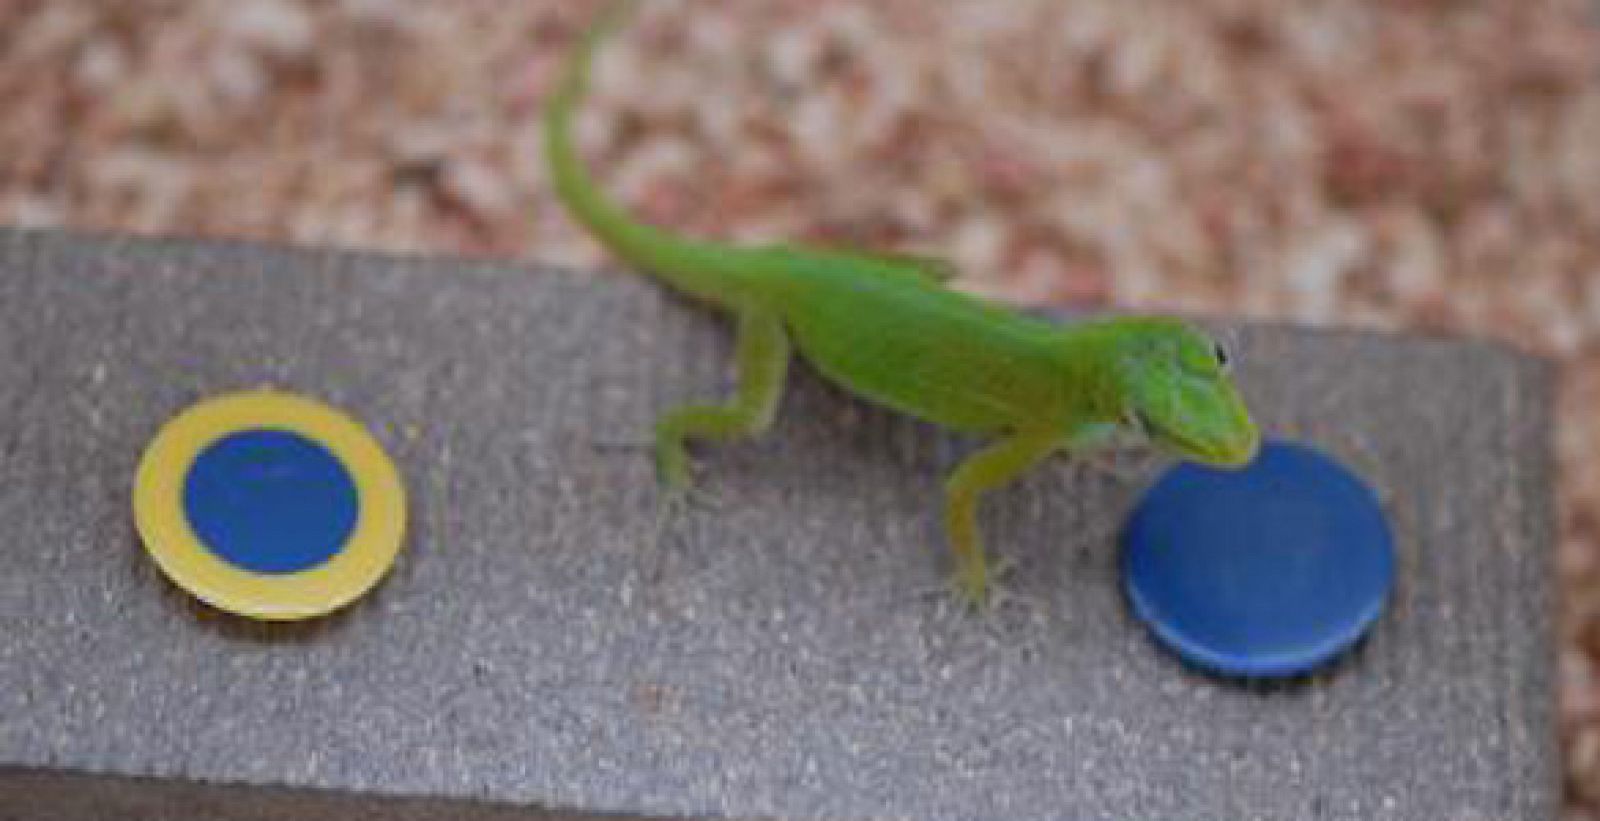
270, 501
1266, 571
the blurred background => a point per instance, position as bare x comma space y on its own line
1418, 165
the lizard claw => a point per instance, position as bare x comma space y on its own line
996, 600
983, 592
675, 504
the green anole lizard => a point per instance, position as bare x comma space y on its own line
888, 329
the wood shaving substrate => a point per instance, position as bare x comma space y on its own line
1406, 164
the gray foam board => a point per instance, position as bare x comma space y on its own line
779, 657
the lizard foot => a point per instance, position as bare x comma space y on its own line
674, 507
677, 502
678, 494
984, 593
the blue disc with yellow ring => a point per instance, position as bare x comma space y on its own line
269, 505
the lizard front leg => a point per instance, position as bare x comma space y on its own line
762, 358
985, 470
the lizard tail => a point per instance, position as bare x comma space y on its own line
697, 269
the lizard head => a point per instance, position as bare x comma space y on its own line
1178, 393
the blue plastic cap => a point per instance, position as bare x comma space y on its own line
1271, 570
270, 501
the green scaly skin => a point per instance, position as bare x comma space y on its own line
886, 328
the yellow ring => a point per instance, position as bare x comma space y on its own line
164, 527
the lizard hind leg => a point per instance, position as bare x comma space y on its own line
762, 358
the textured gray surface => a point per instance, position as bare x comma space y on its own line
778, 660
59, 795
